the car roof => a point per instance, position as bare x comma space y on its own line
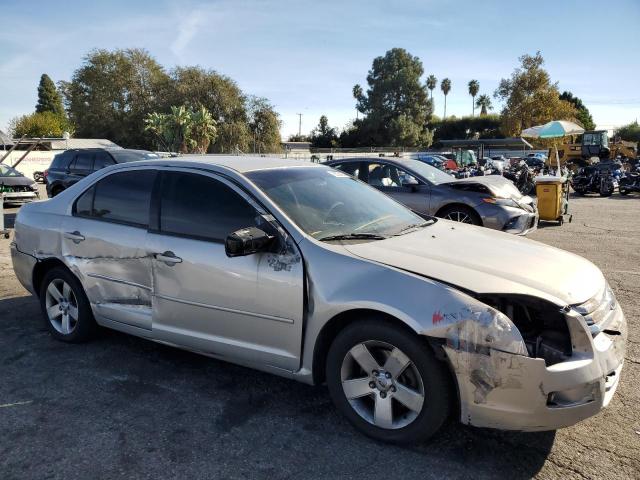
239, 163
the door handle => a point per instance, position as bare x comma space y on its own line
76, 236
167, 257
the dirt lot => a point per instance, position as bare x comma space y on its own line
121, 407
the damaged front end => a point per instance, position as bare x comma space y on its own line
523, 363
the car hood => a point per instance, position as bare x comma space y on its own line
16, 181
497, 184
482, 260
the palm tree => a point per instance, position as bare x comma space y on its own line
203, 129
445, 86
484, 103
474, 87
432, 82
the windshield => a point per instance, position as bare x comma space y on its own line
326, 203
6, 171
426, 171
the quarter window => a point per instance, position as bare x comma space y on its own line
198, 206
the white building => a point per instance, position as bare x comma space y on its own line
29, 158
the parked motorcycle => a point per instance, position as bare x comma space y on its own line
522, 177
600, 178
630, 181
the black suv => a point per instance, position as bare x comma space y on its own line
73, 165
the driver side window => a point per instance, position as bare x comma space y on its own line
198, 206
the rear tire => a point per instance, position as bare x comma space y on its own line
460, 213
387, 382
65, 307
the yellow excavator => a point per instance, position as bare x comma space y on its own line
594, 143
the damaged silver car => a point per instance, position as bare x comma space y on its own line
302, 271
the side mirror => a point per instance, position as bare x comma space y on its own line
247, 241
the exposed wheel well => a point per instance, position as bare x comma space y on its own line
335, 326
41, 268
461, 206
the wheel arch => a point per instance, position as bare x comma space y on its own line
464, 206
40, 270
336, 324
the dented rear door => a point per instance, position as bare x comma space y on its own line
104, 242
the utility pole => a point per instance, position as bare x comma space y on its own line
299, 124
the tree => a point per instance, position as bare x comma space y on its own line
445, 86
323, 136
629, 132
483, 126
432, 82
221, 96
474, 88
184, 129
530, 97
49, 99
203, 129
110, 95
583, 115
264, 125
484, 104
40, 124
396, 106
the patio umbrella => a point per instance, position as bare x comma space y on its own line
554, 129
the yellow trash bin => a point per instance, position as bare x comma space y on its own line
553, 198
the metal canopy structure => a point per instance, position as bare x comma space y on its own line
515, 143
484, 145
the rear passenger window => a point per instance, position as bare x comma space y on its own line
61, 160
197, 206
121, 197
83, 162
102, 160
352, 168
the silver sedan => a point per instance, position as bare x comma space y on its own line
302, 271
491, 201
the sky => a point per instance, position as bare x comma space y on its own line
306, 56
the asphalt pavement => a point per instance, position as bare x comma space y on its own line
122, 407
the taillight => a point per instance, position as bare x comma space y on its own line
45, 174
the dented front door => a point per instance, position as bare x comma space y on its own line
114, 266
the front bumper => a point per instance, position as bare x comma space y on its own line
20, 197
514, 392
508, 219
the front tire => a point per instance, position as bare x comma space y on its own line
460, 213
387, 382
65, 307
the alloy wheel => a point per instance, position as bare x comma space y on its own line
62, 306
458, 216
382, 384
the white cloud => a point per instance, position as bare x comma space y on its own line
188, 27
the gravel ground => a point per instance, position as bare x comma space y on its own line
121, 407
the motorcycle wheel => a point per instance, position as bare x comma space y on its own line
623, 191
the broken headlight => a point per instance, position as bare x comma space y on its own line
542, 325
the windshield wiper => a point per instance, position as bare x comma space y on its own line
354, 236
414, 226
